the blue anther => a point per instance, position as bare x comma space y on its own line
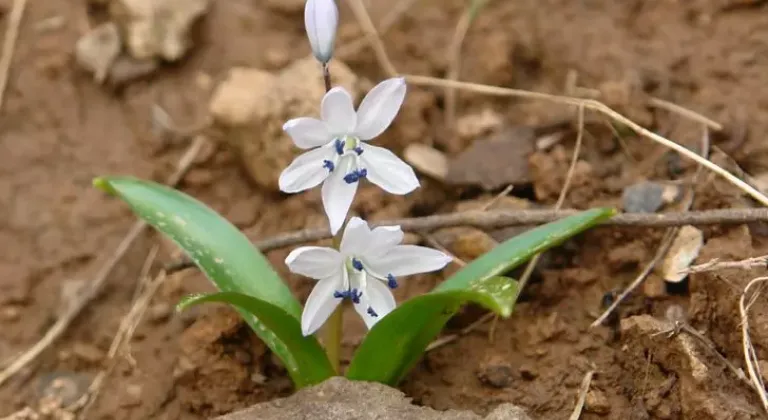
372, 313
339, 295
391, 281
357, 264
355, 176
339, 146
358, 150
355, 295
327, 164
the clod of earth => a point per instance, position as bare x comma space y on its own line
157, 28
703, 389
496, 161
339, 398
252, 105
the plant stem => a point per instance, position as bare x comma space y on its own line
334, 326
326, 77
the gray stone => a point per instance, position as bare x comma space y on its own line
339, 398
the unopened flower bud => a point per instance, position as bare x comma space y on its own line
321, 18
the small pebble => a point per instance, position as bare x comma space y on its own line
159, 312
10, 314
496, 373
528, 373
597, 402
646, 197
87, 352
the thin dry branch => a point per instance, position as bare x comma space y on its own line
496, 219
750, 357
716, 265
9, 44
93, 288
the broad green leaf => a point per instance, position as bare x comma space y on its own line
309, 356
221, 251
521, 248
396, 342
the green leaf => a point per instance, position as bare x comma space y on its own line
521, 248
223, 253
309, 357
396, 342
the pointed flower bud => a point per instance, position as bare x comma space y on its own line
321, 18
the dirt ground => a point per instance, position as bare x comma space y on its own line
60, 130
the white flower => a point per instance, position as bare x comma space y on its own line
321, 18
364, 270
340, 157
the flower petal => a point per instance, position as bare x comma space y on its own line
307, 133
356, 236
338, 194
379, 108
307, 170
388, 171
314, 261
320, 304
383, 238
404, 260
337, 112
321, 18
378, 298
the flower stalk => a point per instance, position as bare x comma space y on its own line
333, 330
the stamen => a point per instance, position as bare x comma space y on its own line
357, 264
339, 146
340, 295
358, 150
355, 295
327, 164
391, 281
372, 313
355, 176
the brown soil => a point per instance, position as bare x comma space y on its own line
60, 131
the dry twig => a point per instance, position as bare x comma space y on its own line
750, 357
9, 44
716, 265
504, 218
93, 288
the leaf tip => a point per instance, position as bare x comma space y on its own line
103, 184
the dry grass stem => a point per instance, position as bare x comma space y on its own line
9, 44
750, 357
583, 390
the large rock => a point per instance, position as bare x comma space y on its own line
251, 106
339, 399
